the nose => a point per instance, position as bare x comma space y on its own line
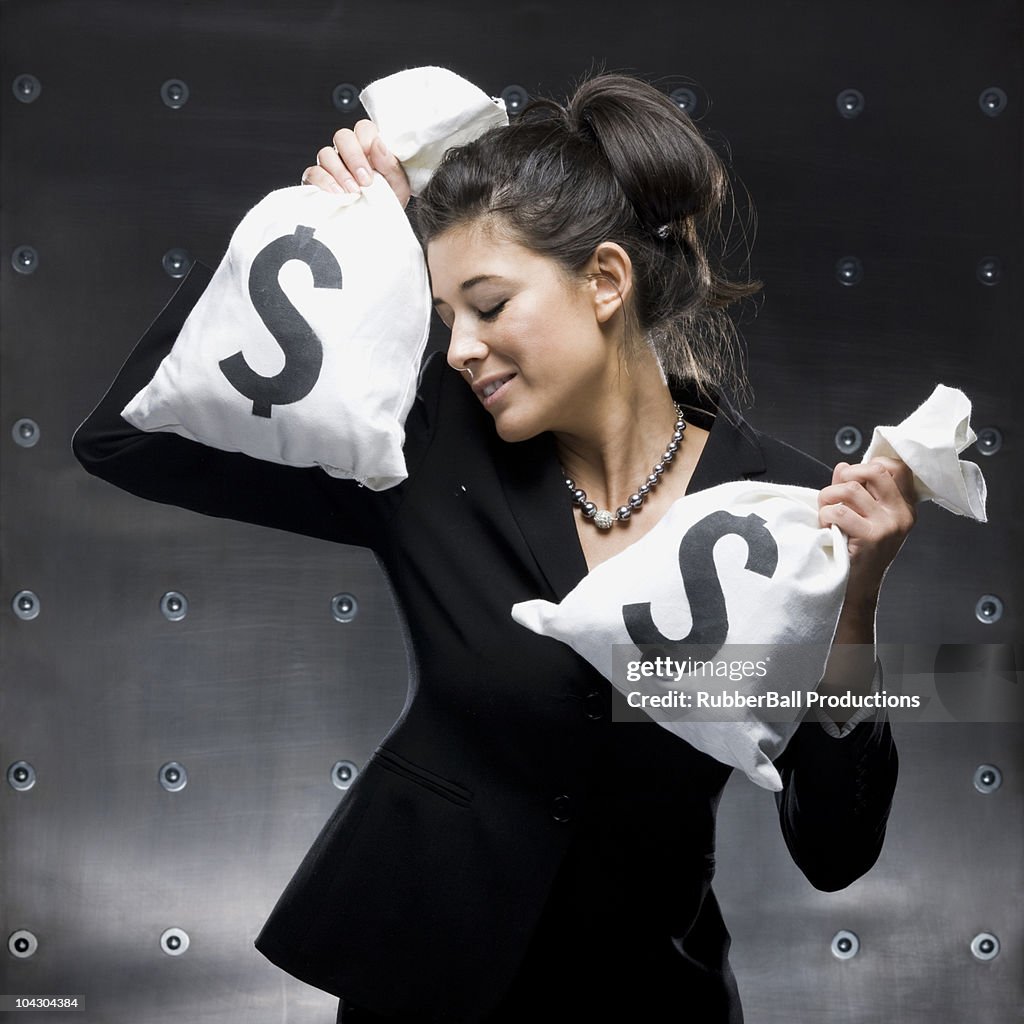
465, 347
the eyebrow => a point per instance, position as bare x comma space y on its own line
466, 285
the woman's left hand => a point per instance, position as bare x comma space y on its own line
873, 503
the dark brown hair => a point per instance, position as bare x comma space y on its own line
617, 162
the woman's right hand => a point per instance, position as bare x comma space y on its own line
351, 161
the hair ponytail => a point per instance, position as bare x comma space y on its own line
620, 162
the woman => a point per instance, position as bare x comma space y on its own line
491, 862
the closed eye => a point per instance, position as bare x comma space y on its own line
492, 314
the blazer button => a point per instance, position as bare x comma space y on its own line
593, 705
561, 808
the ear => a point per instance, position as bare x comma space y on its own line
611, 278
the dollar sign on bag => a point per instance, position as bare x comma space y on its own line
303, 351
703, 587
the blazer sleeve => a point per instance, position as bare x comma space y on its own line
835, 800
172, 469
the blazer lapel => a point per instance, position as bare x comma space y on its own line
540, 503
732, 451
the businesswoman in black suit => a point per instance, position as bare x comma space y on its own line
488, 863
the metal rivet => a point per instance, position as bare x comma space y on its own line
515, 97
344, 607
990, 440
21, 776
25, 433
22, 944
561, 808
850, 103
25, 259
26, 88
989, 270
345, 97
987, 778
25, 605
685, 99
848, 439
177, 262
343, 774
992, 101
173, 777
849, 270
989, 609
174, 941
174, 606
985, 946
174, 92
845, 945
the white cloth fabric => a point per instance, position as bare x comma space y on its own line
423, 112
305, 347
929, 441
746, 563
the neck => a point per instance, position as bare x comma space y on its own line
625, 431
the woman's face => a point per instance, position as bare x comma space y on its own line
533, 340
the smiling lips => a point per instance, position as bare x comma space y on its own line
486, 388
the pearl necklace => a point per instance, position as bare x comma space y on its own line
605, 520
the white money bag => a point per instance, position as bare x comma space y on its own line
739, 572
305, 347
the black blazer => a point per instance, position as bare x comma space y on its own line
421, 892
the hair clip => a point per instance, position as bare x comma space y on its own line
663, 231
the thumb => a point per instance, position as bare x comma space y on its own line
387, 164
